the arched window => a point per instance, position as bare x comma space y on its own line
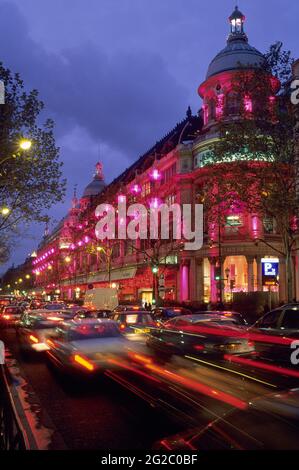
232, 104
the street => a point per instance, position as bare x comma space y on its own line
132, 409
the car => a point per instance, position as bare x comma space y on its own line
35, 325
162, 314
6, 300
55, 306
10, 315
235, 317
135, 321
269, 423
199, 334
92, 314
86, 346
125, 308
272, 329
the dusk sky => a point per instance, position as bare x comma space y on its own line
116, 75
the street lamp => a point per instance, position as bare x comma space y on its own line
24, 144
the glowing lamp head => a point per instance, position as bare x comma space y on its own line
25, 144
67, 259
5, 211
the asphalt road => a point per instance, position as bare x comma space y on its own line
98, 414
134, 407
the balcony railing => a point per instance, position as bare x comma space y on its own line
12, 435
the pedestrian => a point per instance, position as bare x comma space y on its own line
145, 305
149, 307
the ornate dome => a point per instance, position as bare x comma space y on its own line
238, 52
97, 185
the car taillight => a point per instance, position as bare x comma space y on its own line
199, 347
7, 317
122, 326
33, 339
82, 361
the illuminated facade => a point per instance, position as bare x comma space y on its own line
70, 259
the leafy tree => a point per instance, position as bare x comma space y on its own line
30, 180
253, 158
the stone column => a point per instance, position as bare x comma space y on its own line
193, 279
250, 278
295, 69
213, 285
282, 280
259, 273
296, 275
200, 279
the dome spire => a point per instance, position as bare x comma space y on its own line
237, 20
99, 171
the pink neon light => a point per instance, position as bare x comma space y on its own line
135, 188
220, 106
248, 104
185, 283
121, 198
155, 175
155, 203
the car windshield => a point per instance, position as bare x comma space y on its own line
93, 331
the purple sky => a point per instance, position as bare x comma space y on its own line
116, 75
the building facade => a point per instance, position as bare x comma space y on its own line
71, 259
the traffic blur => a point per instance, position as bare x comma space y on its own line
225, 383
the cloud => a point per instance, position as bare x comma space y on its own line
124, 99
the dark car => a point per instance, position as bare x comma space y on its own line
10, 315
269, 423
199, 334
274, 332
103, 313
162, 314
55, 306
134, 321
235, 317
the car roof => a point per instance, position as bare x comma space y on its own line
195, 317
218, 312
133, 312
88, 321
